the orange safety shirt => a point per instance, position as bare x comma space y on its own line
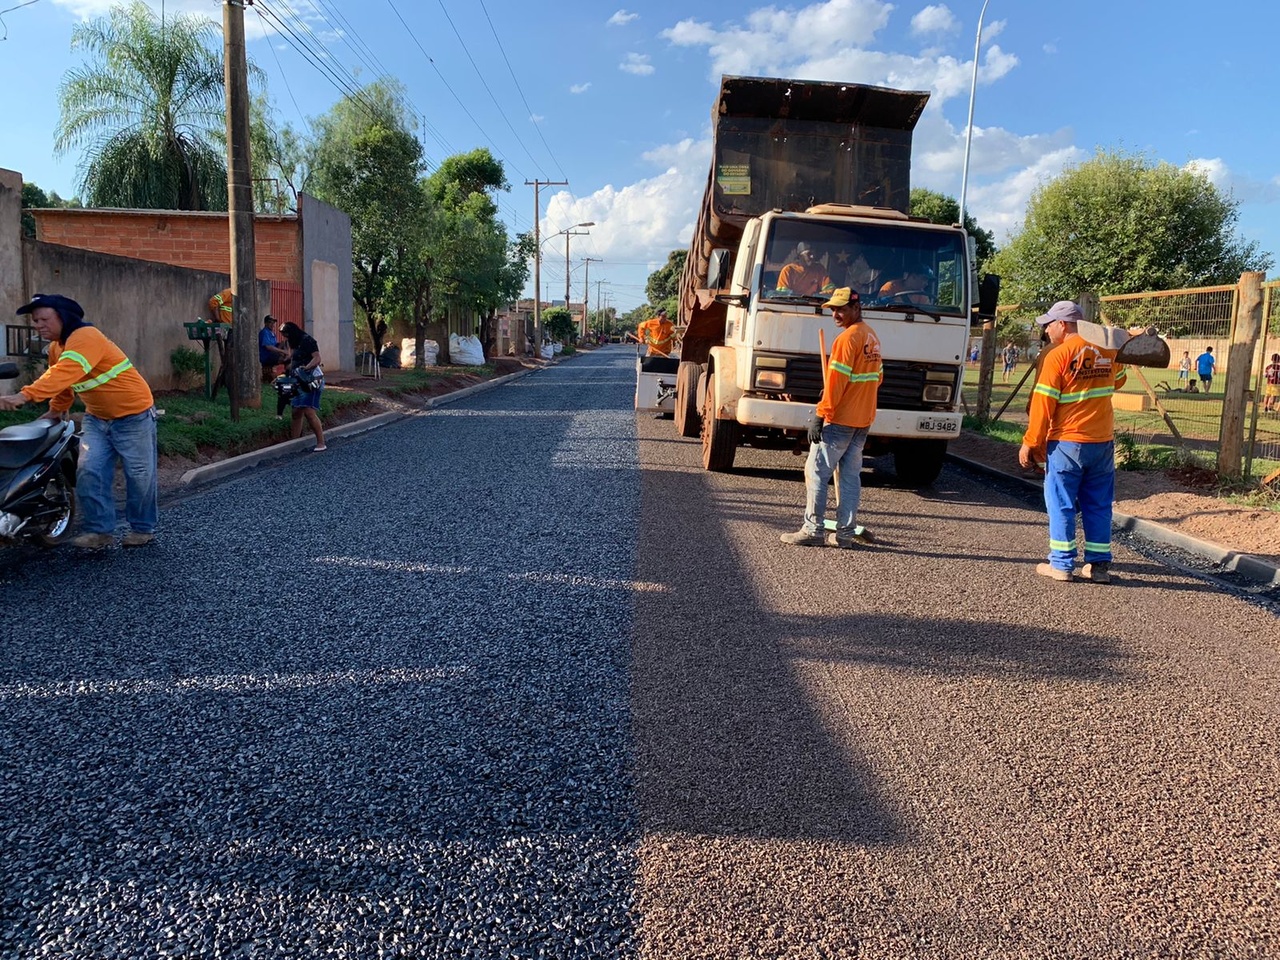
804, 281
91, 367
853, 377
658, 334
220, 306
1072, 398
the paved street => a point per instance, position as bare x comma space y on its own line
518, 679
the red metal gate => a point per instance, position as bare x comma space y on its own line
286, 302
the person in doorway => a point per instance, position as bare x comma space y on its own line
657, 333
1184, 370
270, 354
1010, 358
1271, 385
838, 430
304, 362
1071, 432
119, 424
221, 306
804, 276
1205, 368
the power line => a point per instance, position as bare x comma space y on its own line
536, 126
448, 87
484, 83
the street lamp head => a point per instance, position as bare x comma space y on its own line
588, 223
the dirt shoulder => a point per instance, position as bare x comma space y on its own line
1184, 500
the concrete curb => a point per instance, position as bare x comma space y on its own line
246, 461
1246, 565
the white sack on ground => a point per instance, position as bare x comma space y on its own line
467, 351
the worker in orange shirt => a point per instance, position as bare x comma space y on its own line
1071, 432
658, 333
220, 306
838, 430
119, 424
804, 276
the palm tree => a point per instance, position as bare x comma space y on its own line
148, 110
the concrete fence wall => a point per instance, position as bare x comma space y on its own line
140, 305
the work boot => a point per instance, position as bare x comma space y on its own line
136, 539
843, 543
93, 541
1099, 572
802, 539
1053, 573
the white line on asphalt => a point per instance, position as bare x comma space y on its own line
568, 579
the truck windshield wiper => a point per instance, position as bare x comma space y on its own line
796, 297
908, 308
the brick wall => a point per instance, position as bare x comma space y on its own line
198, 241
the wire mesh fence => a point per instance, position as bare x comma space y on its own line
1198, 325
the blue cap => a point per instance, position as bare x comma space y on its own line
67, 308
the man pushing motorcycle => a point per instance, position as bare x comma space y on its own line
119, 422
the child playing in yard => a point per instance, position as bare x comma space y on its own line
1184, 369
1271, 395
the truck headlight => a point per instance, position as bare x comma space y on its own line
937, 393
771, 379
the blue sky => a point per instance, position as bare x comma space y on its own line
617, 100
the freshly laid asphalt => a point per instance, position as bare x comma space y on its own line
518, 679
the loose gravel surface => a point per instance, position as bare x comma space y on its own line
372, 702
517, 679
923, 749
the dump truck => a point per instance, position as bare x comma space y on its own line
819, 173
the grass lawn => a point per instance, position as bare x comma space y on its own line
412, 380
191, 423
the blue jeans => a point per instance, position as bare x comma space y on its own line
841, 447
132, 441
1079, 477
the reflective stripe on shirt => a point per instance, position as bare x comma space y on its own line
102, 378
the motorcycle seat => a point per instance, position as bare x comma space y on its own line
23, 442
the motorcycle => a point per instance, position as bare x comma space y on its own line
37, 478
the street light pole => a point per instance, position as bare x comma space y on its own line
537, 258
973, 90
569, 232
586, 290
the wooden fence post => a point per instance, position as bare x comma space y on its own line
986, 369
1235, 397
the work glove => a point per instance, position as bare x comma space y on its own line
815, 429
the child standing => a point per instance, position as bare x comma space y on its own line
1184, 370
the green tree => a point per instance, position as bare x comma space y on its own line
939, 208
146, 111
1122, 223
558, 323
33, 198
367, 164
663, 284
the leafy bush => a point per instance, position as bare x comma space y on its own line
187, 364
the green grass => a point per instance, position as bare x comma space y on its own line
1003, 430
412, 380
191, 423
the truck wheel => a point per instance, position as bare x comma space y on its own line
719, 437
918, 462
688, 419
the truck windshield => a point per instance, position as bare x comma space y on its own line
890, 265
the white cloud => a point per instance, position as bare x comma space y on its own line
580, 87
1238, 186
637, 63
935, 18
536, 118
621, 18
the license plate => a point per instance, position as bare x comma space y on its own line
937, 425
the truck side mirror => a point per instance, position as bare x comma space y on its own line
988, 296
718, 269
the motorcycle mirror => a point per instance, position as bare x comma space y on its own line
9, 371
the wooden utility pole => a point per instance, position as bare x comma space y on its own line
1235, 396
242, 382
537, 258
586, 291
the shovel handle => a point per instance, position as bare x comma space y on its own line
822, 351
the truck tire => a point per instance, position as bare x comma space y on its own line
688, 417
719, 437
918, 462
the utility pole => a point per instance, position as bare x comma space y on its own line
242, 380
599, 315
586, 290
537, 257
567, 234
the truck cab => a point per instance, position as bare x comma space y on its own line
761, 383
